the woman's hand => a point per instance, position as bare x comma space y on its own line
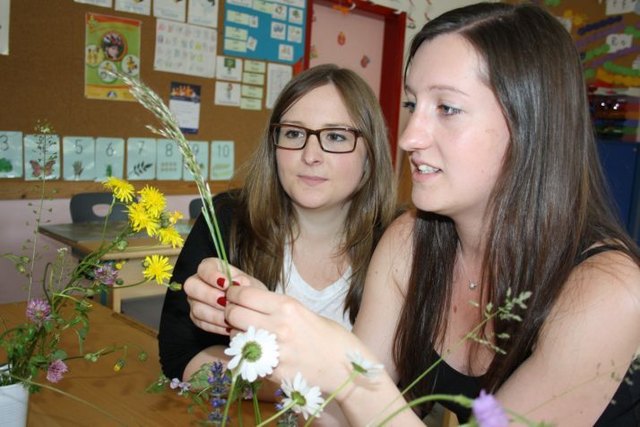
308, 343
206, 294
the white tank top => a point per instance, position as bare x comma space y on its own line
328, 302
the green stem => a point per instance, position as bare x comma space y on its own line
225, 414
332, 396
277, 415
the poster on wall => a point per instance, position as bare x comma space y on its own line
4, 26
184, 103
112, 44
141, 158
170, 9
200, 150
265, 30
10, 154
102, 3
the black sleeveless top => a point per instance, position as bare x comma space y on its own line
622, 411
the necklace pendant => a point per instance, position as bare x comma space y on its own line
473, 286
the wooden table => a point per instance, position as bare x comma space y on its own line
121, 394
84, 238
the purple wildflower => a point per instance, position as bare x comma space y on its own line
182, 385
488, 411
56, 369
106, 274
38, 311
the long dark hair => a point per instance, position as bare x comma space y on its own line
548, 205
267, 221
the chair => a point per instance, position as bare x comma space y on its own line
195, 207
83, 207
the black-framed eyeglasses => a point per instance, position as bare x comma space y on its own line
332, 140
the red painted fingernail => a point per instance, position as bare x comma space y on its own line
228, 330
220, 282
234, 283
222, 301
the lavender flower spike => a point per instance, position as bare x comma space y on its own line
488, 412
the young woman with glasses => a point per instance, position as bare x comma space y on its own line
318, 193
510, 200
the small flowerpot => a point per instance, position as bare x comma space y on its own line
14, 402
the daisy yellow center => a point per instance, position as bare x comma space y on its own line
251, 351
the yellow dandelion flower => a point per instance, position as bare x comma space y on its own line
175, 216
118, 265
122, 190
157, 268
141, 219
170, 236
153, 200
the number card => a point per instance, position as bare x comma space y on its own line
79, 158
11, 154
141, 158
201, 152
41, 157
222, 160
109, 158
168, 160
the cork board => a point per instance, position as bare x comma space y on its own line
43, 78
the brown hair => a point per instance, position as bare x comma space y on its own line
267, 221
548, 205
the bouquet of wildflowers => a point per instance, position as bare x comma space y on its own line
33, 347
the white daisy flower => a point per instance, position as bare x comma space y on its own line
364, 366
305, 400
254, 352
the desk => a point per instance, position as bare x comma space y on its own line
121, 394
86, 237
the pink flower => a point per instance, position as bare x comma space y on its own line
488, 411
56, 369
106, 274
38, 311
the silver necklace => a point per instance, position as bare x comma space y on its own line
472, 285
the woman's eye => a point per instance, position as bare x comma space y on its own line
293, 134
409, 106
335, 137
449, 111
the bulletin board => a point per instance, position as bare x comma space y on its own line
43, 79
607, 35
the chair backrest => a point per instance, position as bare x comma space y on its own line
195, 207
87, 207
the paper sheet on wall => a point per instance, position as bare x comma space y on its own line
200, 150
228, 68
168, 160
203, 12
185, 49
102, 3
41, 157
227, 93
222, 160
5, 10
109, 158
170, 9
278, 75
617, 7
141, 7
78, 158
141, 158
10, 154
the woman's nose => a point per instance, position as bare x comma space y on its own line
416, 135
312, 151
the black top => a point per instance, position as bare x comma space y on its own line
179, 338
623, 411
